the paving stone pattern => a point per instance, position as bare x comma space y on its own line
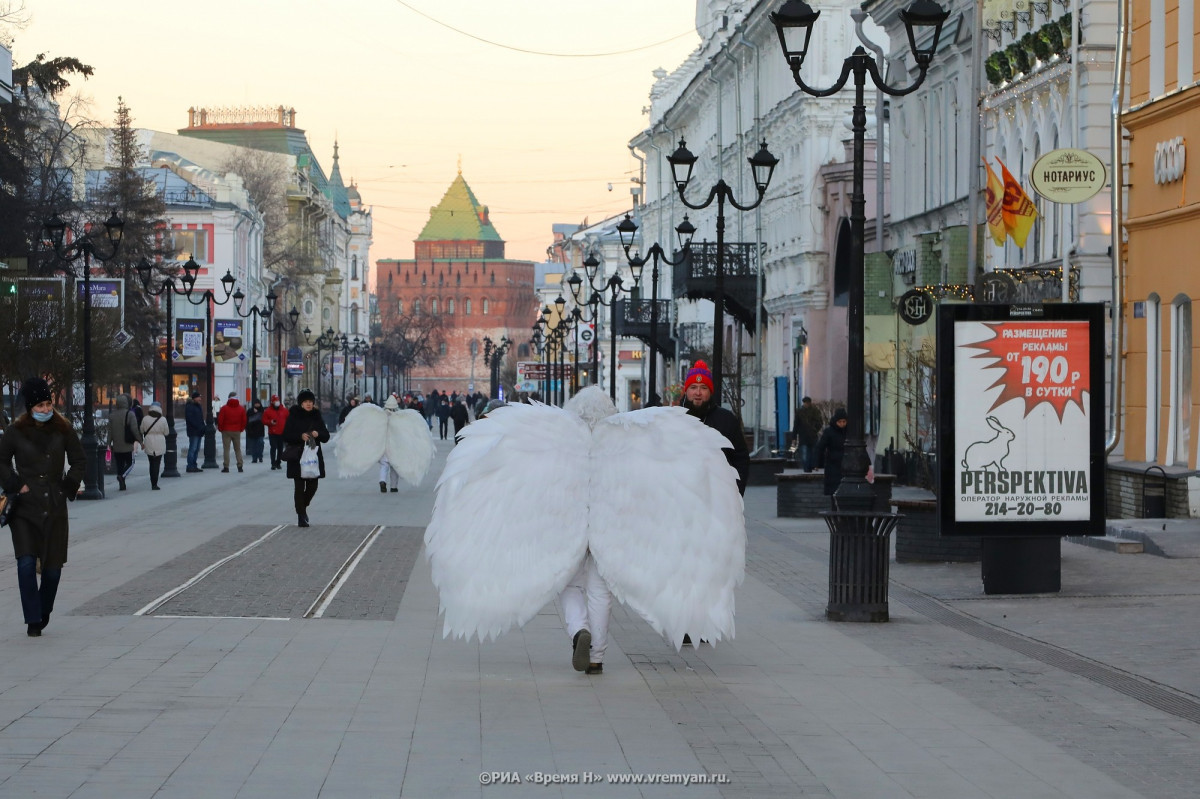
377, 585
1139, 746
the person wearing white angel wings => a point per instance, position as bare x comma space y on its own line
395, 439
644, 502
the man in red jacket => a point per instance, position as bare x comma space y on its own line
275, 418
231, 421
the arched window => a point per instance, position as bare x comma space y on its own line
442, 349
423, 279
467, 307
1153, 375
433, 306
416, 307
400, 307
1180, 433
308, 307
354, 318
354, 267
450, 306
483, 309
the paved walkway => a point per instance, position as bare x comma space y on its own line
311, 663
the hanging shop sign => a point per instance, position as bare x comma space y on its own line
1021, 406
189, 340
227, 339
995, 288
915, 307
1068, 176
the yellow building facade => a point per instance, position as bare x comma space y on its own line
1162, 369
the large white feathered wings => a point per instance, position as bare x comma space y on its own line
530, 488
370, 432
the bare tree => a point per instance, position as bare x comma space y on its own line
266, 176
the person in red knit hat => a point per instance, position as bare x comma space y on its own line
699, 401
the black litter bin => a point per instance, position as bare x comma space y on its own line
859, 554
1154, 497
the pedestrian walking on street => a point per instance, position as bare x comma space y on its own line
275, 419
396, 440
350, 405
193, 415
304, 425
676, 563
231, 421
154, 440
807, 431
458, 415
831, 448
255, 431
699, 401
35, 451
443, 415
124, 436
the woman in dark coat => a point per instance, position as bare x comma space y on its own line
304, 424
255, 432
830, 449
40, 444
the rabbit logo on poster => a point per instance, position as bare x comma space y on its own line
991, 452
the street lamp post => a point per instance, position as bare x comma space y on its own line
167, 287
615, 288
82, 247
626, 230
261, 314
325, 341
762, 164
794, 23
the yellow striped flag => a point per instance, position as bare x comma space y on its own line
994, 199
1018, 210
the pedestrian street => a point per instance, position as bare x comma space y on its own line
203, 645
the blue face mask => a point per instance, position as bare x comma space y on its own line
43, 417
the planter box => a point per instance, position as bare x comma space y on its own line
763, 470
917, 539
801, 495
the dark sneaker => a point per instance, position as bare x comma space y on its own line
34, 630
595, 668
382, 487
395, 490
581, 650
687, 640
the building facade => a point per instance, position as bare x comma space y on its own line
461, 287
1161, 387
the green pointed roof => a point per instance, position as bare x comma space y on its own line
459, 217
335, 189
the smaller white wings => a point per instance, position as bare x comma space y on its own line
509, 527
370, 433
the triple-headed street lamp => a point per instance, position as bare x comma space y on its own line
350, 348
326, 341
762, 164
493, 355
614, 287
794, 23
262, 314
82, 247
626, 229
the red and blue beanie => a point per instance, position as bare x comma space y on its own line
699, 373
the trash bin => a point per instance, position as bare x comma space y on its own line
859, 554
1154, 497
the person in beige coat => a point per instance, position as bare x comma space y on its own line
154, 440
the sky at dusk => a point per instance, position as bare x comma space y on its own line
541, 135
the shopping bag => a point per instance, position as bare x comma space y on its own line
310, 463
8, 507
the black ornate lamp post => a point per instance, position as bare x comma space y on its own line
325, 341
615, 287
171, 289
626, 229
261, 314
82, 247
492, 358
762, 164
794, 23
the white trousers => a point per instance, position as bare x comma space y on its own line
586, 602
387, 474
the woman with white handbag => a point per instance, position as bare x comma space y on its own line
303, 435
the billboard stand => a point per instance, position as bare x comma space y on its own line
1021, 435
